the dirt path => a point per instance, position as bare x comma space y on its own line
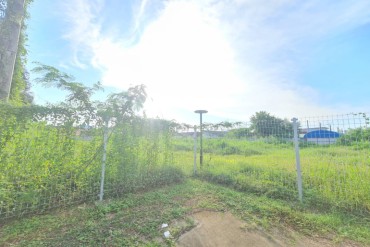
218, 229
222, 229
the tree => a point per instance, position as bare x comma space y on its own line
263, 124
80, 109
20, 93
355, 136
239, 133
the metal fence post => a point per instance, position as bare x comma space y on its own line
195, 150
103, 161
297, 159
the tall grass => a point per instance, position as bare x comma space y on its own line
333, 176
140, 156
45, 166
41, 168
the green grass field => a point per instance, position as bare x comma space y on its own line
43, 166
333, 176
135, 219
256, 180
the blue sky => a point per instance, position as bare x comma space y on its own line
233, 58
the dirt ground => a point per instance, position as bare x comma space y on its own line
218, 229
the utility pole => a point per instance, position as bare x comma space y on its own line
201, 112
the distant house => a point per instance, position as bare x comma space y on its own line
321, 137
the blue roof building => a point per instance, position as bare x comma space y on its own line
321, 137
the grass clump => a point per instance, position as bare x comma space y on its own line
135, 219
334, 176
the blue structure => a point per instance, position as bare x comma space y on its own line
322, 134
321, 137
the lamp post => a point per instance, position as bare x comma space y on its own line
201, 134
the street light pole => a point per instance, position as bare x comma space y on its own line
201, 135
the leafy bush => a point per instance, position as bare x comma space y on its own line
359, 136
51, 156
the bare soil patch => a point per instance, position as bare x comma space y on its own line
218, 229
222, 229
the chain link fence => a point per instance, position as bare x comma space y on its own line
44, 166
329, 168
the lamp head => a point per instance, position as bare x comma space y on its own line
201, 111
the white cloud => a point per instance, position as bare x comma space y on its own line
230, 57
82, 18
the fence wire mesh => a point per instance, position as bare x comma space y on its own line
140, 156
335, 157
45, 166
259, 157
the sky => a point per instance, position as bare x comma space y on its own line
231, 57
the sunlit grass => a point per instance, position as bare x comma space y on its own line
135, 219
334, 176
44, 167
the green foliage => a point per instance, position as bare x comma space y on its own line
78, 100
118, 107
240, 133
265, 125
51, 156
359, 136
236, 146
135, 220
222, 125
333, 176
44, 165
140, 156
122, 106
41, 163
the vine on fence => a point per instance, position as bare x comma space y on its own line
51, 155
